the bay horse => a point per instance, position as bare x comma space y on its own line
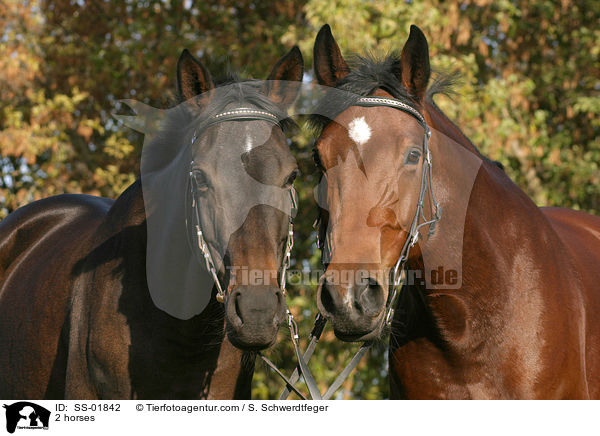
77, 320
522, 320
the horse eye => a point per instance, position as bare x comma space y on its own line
200, 180
413, 157
289, 181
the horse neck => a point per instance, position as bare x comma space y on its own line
491, 234
436, 119
128, 209
126, 220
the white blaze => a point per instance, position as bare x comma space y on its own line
359, 131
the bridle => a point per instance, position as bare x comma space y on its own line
200, 248
419, 221
426, 185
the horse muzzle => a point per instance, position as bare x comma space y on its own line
355, 311
254, 314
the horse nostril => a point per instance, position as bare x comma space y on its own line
238, 311
327, 300
371, 298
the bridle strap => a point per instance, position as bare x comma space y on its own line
314, 337
303, 369
290, 382
202, 245
425, 186
347, 370
241, 114
287, 256
393, 103
309, 379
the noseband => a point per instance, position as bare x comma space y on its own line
200, 248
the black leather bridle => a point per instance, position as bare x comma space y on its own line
202, 252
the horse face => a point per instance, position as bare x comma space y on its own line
244, 173
372, 164
371, 159
245, 178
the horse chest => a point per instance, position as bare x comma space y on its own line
418, 370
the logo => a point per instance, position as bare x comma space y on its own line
26, 415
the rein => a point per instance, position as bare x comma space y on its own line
396, 272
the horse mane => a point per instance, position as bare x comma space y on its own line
444, 83
369, 73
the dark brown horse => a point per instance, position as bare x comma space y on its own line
520, 318
76, 316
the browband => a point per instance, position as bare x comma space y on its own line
242, 114
393, 103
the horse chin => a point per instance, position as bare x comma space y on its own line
249, 342
358, 336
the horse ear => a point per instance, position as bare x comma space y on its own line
330, 65
192, 77
284, 81
415, 63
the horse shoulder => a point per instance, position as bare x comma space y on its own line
113, 263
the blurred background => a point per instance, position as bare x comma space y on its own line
529, 96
